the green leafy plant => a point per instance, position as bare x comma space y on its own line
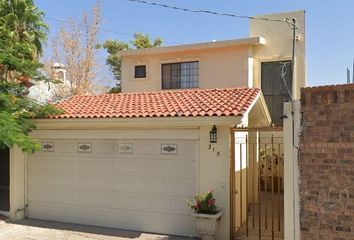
16, 117
22, 35
268, 162
203, 203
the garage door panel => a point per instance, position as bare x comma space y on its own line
82, 180
44, 161
35, 193
151, 167
104, 147
34, 177
103, 182
66, 146
143, 190
145, 184
150, 202
166, 223
49, 178
66, 179
67, 196
49, 194
46, 177
42, 210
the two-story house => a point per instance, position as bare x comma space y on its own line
129, 160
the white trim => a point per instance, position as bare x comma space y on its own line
258, 99
121, 135
134, 123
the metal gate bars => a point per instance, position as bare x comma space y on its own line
257, 174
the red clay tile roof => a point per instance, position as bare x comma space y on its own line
176, 103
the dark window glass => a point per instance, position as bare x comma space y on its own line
140, 71
180, 75
276, 82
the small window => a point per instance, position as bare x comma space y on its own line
140, 71
180, 75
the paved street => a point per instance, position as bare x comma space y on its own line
29, 229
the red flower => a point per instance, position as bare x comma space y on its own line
211, 202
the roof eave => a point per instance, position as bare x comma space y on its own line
196, 46
119, 123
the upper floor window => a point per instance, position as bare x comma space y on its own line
180, 75
276, 83
140, 71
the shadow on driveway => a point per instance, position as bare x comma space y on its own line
40, 230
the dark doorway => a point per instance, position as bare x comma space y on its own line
4, 180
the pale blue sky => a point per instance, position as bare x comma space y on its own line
329, 26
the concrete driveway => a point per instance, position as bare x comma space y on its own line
30, 229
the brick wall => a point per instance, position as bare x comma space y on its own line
326, 162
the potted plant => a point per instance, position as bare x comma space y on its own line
206, 213
269, 169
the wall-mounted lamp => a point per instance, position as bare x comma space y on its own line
214, 135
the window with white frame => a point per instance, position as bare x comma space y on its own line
180, 75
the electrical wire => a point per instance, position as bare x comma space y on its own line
283, 74
78, 24
100, 28
206, 11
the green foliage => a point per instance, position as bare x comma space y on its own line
144, 41
16, 114
115, 89
22, 33
113, 48
23, 22
113, 60
203, 203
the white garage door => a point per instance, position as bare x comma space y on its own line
130, 184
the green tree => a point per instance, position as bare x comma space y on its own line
22, 36
20, 46
144, 41
25, 22
113, 47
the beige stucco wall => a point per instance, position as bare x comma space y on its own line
227, 66
214, 172
291, 171
278, 46
17, 183
218, 68
212, 167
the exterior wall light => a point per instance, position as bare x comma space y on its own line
214, 135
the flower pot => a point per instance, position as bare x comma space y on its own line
266, 183
207, 224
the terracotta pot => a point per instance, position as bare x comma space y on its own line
207, 224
